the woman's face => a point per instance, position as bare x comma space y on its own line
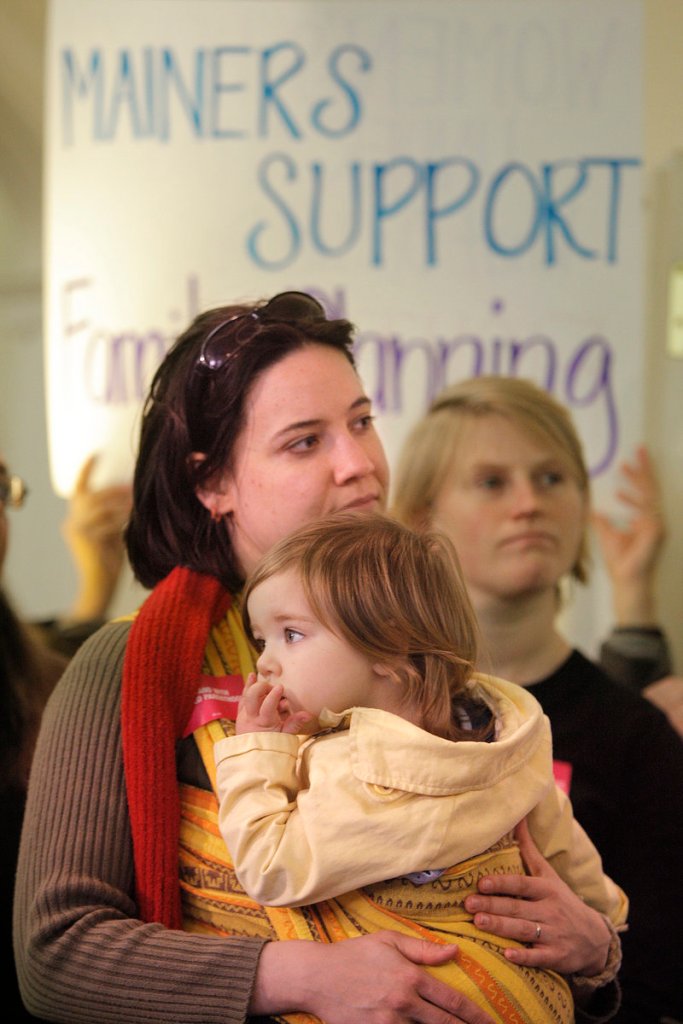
512, 509
309, 447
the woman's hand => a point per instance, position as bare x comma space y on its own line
375, 979
631, 552
564, 934
93, 531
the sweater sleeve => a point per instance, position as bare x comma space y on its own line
81, 952
282, 813
270, 845
636, 656
305, 821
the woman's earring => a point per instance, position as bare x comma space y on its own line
216, 515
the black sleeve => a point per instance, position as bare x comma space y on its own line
636, 656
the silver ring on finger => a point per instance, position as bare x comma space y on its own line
538, 933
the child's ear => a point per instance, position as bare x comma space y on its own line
386, 671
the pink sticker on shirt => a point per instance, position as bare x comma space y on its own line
562, 770
216, 697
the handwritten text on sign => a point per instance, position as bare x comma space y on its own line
460, 180
156, 93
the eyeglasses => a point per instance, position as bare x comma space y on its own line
284, 308
13, 490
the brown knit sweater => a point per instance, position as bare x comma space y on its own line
81, 952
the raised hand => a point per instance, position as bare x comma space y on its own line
93, 531
631, 552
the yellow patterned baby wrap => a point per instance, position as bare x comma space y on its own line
214, 903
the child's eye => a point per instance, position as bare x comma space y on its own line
292, 636
259, 644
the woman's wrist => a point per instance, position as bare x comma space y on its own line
635, 603
595, 976
284, 977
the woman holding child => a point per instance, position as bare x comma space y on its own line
256, 423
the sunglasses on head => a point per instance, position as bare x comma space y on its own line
284, 308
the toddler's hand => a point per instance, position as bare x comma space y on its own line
264, 708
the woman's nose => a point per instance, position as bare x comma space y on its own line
351, 460
525, 498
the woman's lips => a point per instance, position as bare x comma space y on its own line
529, 537
367, 501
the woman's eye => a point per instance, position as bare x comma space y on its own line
365, 422
491, 483
292, 635
551, 478
304, 444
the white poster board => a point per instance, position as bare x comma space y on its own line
461, 179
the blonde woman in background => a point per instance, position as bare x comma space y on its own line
497, 465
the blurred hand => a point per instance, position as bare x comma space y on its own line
631, 552
93, 531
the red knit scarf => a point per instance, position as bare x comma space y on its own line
161, 671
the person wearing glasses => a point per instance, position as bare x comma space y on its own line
497, 465
28, 670
256, 423
33, 656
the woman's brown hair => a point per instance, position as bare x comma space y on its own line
196, 406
